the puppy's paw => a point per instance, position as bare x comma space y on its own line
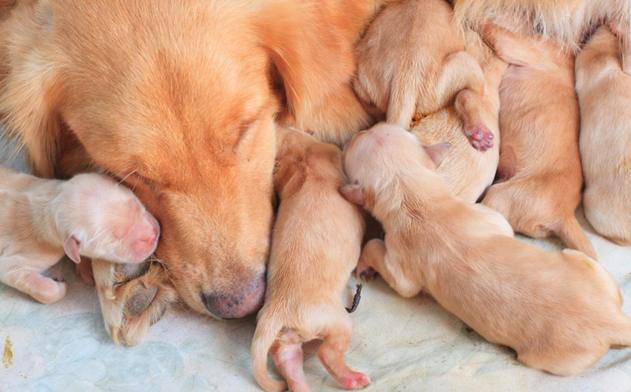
355, 380
364, 272
84, 270
480, 137
133, 297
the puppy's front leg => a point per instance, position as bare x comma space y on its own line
29, 281
374, 256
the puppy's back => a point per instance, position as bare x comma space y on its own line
604, 92
317, 234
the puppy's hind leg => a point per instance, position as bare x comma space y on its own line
287, 355
337, 336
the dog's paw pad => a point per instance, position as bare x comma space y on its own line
132, 297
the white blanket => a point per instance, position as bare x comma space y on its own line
401, 344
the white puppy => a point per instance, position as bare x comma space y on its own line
89, 215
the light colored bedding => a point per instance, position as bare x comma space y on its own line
401, 344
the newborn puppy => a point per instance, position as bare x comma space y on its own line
89, 215
540, 165
604, 95
466, 171
413, 60
315, 247
564, 20
561, 311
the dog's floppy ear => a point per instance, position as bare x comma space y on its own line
308, 51
437, 152
353, 193
71, 247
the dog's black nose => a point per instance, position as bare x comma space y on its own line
239, 303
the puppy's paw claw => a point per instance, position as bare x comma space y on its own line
133, 297
365, 272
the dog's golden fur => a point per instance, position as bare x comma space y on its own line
563, 20
317, 239
180, 100
540, 164
604, 94
465, 256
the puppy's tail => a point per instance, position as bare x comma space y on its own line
267, 330
572, 234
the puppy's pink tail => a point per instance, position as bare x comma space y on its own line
572, 234
621, 337
267, 330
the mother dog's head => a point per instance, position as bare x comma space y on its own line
179, 102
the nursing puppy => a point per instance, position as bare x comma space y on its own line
413, 60
564, 20
540, 164
89, 215
315, 247
604, 95
561, 311
468, 172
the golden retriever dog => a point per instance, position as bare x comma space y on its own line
561, 311
180, 100
316, 244
412, 60
604, 95
540, 164
467, 172
563, 20
89, 215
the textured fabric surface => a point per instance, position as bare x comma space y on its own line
401, 344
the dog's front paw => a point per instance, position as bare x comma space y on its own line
133, 297
364, 272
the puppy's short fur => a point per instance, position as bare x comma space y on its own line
604, 94
540, 165
89, 215
561, 311
467, 172
564, 20
412, 60
316, 245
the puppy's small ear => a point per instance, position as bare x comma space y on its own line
437, 152
353, 193
71, 247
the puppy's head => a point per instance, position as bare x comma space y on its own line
180, 102
376, 159
102, 219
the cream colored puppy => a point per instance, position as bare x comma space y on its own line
561, 311
540, 164
315, 247
604, 95
89, 215
412, 60
468, 172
